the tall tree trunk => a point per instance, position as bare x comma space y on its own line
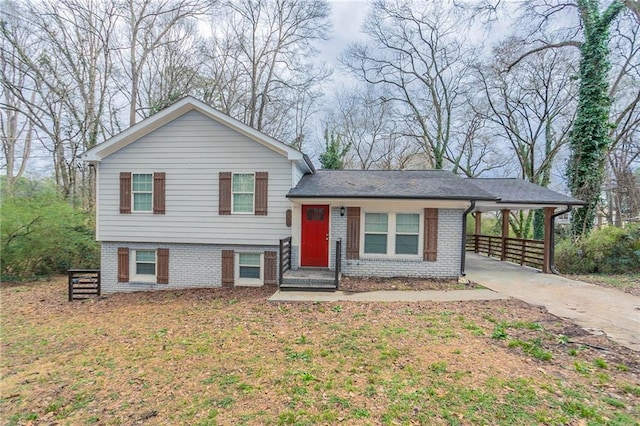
590, 139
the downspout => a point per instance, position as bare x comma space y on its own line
463, 251
552, 243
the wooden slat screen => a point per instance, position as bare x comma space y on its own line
159, 193
125, 192
162, 276
123, 265
270, 267
353, 233
430, 235
228, 266
262, 193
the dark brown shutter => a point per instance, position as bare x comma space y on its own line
262, 193
287, 218
125, 192
430, 235
270, 267
158, 193
123, 265
353, 232
228, 266
162, 275
224, 195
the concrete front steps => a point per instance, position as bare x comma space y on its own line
311, 279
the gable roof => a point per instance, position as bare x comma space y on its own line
178, 109
390, 184
520, 191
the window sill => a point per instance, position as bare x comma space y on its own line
402, 258
151, 279
248, 283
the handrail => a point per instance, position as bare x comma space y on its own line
338, 261
285, 258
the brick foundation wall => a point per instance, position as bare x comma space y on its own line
190, 265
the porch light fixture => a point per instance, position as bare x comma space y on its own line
342, 211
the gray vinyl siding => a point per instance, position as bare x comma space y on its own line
192, 150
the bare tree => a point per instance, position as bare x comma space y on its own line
260, 63
16, 127
532, 109
149, 25
68, 92
417, 51
365, 121
173, 71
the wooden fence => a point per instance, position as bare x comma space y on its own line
516, 250
83, 283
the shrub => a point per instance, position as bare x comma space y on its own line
42, 234
608, 250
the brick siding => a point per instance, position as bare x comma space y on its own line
190, 265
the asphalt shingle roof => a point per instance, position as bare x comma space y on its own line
422, 184
397, 184
519, 191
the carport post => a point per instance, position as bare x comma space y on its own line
505, 233
548, 240
478, 231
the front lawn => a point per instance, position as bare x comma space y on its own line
206, 357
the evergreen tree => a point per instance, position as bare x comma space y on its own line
334, 151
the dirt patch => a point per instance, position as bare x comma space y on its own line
356, 284
227, 356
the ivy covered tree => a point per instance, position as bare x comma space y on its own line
589, 140
334, 151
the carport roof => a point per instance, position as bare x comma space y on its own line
522, 194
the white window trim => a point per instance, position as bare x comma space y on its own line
391, 236
248, 282
133, 204
142, 278
253, 203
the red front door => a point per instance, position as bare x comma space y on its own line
315, 236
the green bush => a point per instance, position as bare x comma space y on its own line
42, 234
608, 250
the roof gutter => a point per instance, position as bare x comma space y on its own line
463, 250
552, 243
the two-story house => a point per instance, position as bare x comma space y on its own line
191, 197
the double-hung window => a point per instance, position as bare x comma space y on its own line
249, 268
142, 192
144, 266
407, 233
376, 227
394, 234
243, 189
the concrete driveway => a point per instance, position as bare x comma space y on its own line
594, 308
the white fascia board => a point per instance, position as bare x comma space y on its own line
174, 111
384, 204
489, 206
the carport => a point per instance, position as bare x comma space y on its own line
515, 195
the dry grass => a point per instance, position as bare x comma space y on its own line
230, 357
629, 283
